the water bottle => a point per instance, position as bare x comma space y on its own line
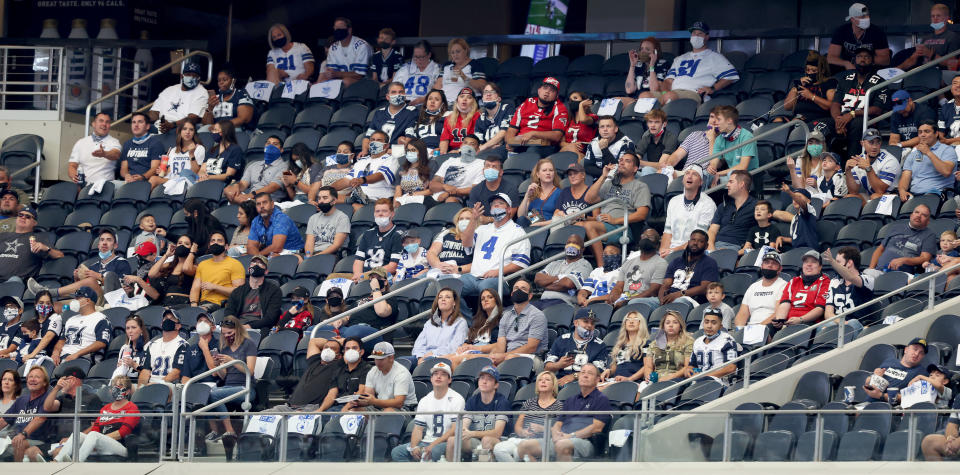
81, 178
78, 69
654, 377
42, 62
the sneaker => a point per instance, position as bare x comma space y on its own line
213, 436
35, 286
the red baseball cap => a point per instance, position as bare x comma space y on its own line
146, 248
551, 81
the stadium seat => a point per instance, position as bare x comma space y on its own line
699, 392
313, 116
615, 86
557, 238
805, 446
681, 112
663, 401
859, 234
521, 164
560, 317
858, 446
555, 66
753, 108
516, 66
333, 138
278, 117
592, 86
771, 84
813, 389
586, 65
316, 267
135, 193
767, 365
100, 200
896, 447
922, 83
365, 92
773, 446
309, 137
280, 347
656, 316
119, 217
517, 370
410, 215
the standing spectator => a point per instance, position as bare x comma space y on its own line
446, 330
643, 274
761, 299
393, 119
458, 175
432, 431
713, 351
573, 350
140, 156
657, 143
742, 157
104, 271
811, 95
420, 74
583, 123
571, 433
562, 279
348, 57
626, 355
686, 212
540, 201
379, 246
529, 428
387, 61
95, 156
859, 33
606, 148
181, 102
29, 426
216, 277
906, 119
372, 177
461, 123
183, 159
256, 303
898, 372
460, 72
272, 233
850, 289
735, 217
848, 108
688, 276
633, 199
287, 61
699, 73
172, 276
490, 242
874, 172
430, 122
29, 250
930, 166
261, 176
165, 355
669, 353
229, 102
523, 328
948, 121
605, 283
494, 121
539, 123
805, 295
942, 41
225, 160
647, 70
494, 183
328, 230
908, 245
484, 430
447, 251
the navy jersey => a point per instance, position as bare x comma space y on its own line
117, 265
845, 297
217, 163
82, 331
164, 356
194, 362
590, 351
227, 109
138, 153
487, 127
394, 125
10, 335
428, 132
385, 68
379, 249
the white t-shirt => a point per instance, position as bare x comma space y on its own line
489, 246
434, 425
691, 71
887, 168
453, 83
762, 301
600, 282
461, 174
354, 57
174, 103
293, 61
162, 356
179, 161
417, 83
396, 382
683, 218
95, 168
385, 164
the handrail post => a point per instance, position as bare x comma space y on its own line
841, 332
282, 443
76, 424
818, 438
911, 442
635, 456
163, 439
727, 428
931, 294
545, 455
368, 457
175, 422
624, 239
458, 443
192, 438
746, 372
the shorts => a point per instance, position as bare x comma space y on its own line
582, 448
686, 94
614, 238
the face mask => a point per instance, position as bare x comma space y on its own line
468, 153
571, 251
104, 255
430, 112
230, 338
376, 148
382, 221
327, 355
142, 261
584, 334
216, 249
340, 33
573, 106
75, 306
489, 104
342, 158
43, 309
190, 82
768, 273
412, 157
279, 42
490, 174
398, 100
937, 26
383, 45
864, 23
257, 271
809, 279
498, 213
815, 149
270, 154
324, 207
647, 246
519, 296
351, 356
865, 69
9, 313
462, 224
334, 301
182, 251
118, 393
411, 248
168, 325
216, 137
547, 106
696, 42
203, 328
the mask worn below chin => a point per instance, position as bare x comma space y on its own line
190, 82
324, 207
498, 213
384, 45
815, 149
611, 262
377, 148
490, 174
351, 356
257, 271
382, 221
430, 112
937, 26
809, 279
334, 301
488, 104
168, 325
412, 157
216, 249
9, 314
104, 255
768, 273
340, 33
182, 251
75, 306
398, 100
118, 393
279, 42
462, 224
203, 328
270, 154
697, 41
327, 355
584, 334
519, 296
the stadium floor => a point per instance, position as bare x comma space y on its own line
572, 468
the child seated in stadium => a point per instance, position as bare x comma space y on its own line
713, 350
715, 296
148, 232
30, 334
831, 184
948, 255
413, 260
938, 377
764, 233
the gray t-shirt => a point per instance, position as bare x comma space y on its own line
258, 174
324, 228
633, 194
638, 274
396, 382
577, 271
530, 323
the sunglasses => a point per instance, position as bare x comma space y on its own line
25, 215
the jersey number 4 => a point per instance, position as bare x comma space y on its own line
488, 247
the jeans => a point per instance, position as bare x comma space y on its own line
91, 443
217, 394
653, 302
359, 331
727, 245
401, 454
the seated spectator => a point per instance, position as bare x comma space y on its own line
147, 232
483, 332
458, 175
94, 158
413, 260
713, 351
494, 121
711, 73
908, 245
140, 156
561, 279
906, 119
696, 148
572, 199
447, 251
272, 232
9, 207
372, 177
30, 251
334, 304
742, 158
947, 254
847, 108
605, 283
419, 75
529, 428
571, 433
803, 222
353, 373
930, 166
617, 181
228, 102
643, 274
246, 212
184, 158
539, 122
300, 314
383, 313
340, 168
10, 388
572, 350
647, 70
948, 120
946, 446
898, 373
494, 183
11, 332
200, 223
848, 38
385, 62
669, 354
381, 245
181, 102
607, 147
51, 326
760, 301
446, 330
461, 71
287, 60
540, 201
430, 122
224, 162
686, 212
873, 173
393, 119
735, 217
850, 289
807, 168
105, 436
103, 271
489, 242
348, 57
133, 353
165, 355
657, 144
716, 304
583, 123
256, 303
5, 183
298, 180
523, 329
414, 176
216, 277
329, 229
688, 276
831, 184
626, 355
171, 278
388, 387
29, 429
810, 97
805, 295
317, 390
431, 432
484, 430
460, 124
941, 42
261, 176
235, 344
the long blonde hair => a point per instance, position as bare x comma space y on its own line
455, 113
240, 332
639, 341
682, 337
283, 29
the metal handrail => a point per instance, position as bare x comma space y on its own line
149, 75
246, 392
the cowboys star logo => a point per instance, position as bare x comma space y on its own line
14, 246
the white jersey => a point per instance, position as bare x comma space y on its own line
600, 282
385, 164
453, 83
174, 103
762, 301
95, 168
887, 168
293, 61
691, 71
417, 83
714, 354
434, 425
179, 161
354, 57
82, 331
683, 218
163, 356
489, 247
456, 172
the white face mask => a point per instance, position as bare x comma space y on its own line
351, 356
462, 224
382, 221
75, 306
9, 313
203, 328
327, 355
696, 41
864, 23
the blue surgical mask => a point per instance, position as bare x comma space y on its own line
104, 255
412, 157
490, 174
411, 248
270, 154
937, 26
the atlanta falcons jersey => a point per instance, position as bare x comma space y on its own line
804, 298
354, 57
82, 331
293, 61
850, 91
578, 132
455, 133
163, 356
417, 83
531, 118
691, 71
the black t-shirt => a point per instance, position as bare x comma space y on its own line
873, 38
808, 109
348, 382
570, 204
16, 259
734, 223
316, 382
378, 249
451, 249
480, 193
759, 237
385, 68
369, 315
217, 163
850, 91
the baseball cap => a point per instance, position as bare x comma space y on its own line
816, 135
11, 298
700, 25
204, 315
465, 90
773, 255
941, 368
811, 253
379, 272
551, 81
441, 366
381, 350
75, 371
301, 292
146, 248
575, 167
500, 196
334, 290
173, 313
900, 99
86, 292
261, 259
857, 9
491, 370
831, 156
191, 67
802, 191
9, 191
871, 134
863, 48
585, 314
919, 341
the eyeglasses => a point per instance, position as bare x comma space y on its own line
25, 215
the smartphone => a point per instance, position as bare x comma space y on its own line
571, 354
214, 353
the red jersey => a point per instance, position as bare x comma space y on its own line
109, 421
578, 132
297, 322
456, 134
530, 118
805, 298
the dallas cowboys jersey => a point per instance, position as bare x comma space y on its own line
163, 356
417, 83
412, 264
489, 247
378, 249
949, 120
9, 335
429, 133
600, 282
386, 165
691, 71
82, 331
590, 351
715, 353
487, 127
845, 297
354, 57
293, 61
887, 168
394, 125
227, 108
385, 68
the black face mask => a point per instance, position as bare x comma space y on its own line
769, 273
324, 207
182, 251
383, 45
573, 106
334, 301
340, 33
809, 279
216, 249
519, 296
279, 42
168, 325
863, 70
142, 261
647, 246
257, 271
